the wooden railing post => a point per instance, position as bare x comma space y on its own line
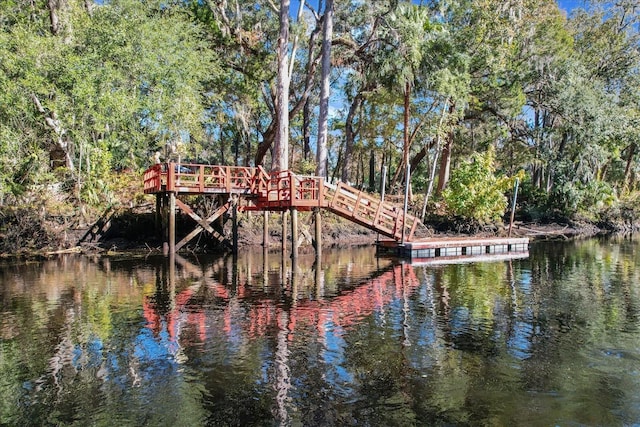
172, 222
171, 176
321, 202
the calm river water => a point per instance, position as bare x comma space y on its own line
552, 339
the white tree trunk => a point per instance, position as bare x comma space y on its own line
280, 159
60, 140
325, 89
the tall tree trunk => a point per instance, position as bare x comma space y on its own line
269, 135
627, 169
350, 136
408, 138
236, 148
280, 160
54, 18
420, 155
325, 89
445, 158
407, 142
383, 164
60, 139
247, 154
372, 172
306, 134
445, 163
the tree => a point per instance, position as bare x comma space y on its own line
103, 93
475, 192
325, 89
281, 146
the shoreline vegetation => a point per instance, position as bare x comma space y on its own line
469, 102
46, 224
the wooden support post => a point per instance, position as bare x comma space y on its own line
294, 233
265, 231
234, 227
317, 222
172, 222
157, 217
285, 233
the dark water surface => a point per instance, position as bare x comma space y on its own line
552, 339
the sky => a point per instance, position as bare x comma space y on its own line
568, 5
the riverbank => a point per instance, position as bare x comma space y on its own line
52, 221
132, 230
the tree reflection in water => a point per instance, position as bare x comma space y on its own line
208, 341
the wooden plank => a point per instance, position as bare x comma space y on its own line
201, 178
186, 209
199, 228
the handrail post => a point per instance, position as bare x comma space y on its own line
171, 176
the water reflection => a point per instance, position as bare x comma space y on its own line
551, 339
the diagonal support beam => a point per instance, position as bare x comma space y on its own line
203, 224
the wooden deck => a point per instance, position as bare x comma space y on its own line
279, 191
259, 190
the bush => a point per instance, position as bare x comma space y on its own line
474, 191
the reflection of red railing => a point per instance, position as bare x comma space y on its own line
339, 313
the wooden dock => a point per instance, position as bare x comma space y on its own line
455, 247
254, 189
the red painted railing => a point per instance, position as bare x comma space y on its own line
199, 179
286, 189
281, 190
153, 179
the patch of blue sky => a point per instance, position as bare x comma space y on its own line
569, 5
333, 356
519, 344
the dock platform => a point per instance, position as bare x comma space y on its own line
454, 247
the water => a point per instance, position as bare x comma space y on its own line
548, 340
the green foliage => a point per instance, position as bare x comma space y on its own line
556, 95
120, 83
587, 200
475, 192
533, 202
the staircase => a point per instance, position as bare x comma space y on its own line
370, 212
100, 227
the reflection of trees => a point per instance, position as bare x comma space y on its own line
72, 353
480, 343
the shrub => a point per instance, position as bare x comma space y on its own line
474, 191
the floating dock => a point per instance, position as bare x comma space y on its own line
450, 247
